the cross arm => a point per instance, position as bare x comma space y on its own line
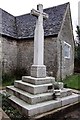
45, 15
37, 13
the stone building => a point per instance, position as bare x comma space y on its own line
17, 35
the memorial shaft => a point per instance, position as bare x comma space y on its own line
38, 68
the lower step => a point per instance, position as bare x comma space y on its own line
27, 97
63, 93
31, 110
33, 89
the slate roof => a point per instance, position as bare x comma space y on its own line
7, 26
23, 26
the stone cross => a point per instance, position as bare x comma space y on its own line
38, 64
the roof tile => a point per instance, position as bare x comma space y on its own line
23, 26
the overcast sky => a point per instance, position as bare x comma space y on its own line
19, 7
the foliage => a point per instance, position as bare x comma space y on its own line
72, 81
9, 110
77, 52
0, 100
77, 59
77, 48
78, 33
8, 78
19, 72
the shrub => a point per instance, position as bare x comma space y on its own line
19, 72
8, 78
9, 110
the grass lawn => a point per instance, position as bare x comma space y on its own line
73, 81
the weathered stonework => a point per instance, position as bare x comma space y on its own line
25, 55
9, 54
65, 66
50, 56
0, 61
20, 54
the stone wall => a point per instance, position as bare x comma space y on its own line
0, 61
9, 54
19, 54
65, 66
50, 56
25, 55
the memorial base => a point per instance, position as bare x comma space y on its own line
35, 96
38, 71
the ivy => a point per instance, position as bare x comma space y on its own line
9, 110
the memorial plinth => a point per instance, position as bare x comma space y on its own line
38, 71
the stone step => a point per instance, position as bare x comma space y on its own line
34, 89
63, 92
74, 98
27, 97
38, 81
31, 110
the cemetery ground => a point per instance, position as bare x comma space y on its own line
72, 82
